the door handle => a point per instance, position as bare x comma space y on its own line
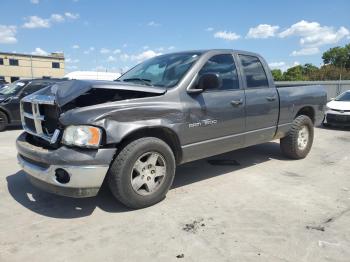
271, 98
237, 102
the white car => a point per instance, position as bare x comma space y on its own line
338, 111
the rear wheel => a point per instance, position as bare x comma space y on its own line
297, 144
3, 121
142, 173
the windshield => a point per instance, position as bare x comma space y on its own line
344, 97
12, 89
161, 71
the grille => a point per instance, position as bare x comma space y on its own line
39, 116
338, 118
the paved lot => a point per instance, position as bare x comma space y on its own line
263, 208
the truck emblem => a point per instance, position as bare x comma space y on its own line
205, 122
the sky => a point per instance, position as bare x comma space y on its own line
116, 35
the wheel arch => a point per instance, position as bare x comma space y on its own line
7, 115
308, 111
163, 133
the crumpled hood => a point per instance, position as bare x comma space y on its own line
339, 105
66, 91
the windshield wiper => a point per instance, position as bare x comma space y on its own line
143, 80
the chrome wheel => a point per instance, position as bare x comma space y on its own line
148, 173
303, 137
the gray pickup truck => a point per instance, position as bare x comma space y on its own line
166, 111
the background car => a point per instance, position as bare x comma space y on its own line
338, 111
11, 94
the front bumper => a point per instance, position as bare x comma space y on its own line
337, 118
86, 168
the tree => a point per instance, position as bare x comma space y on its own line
294, 73
277, 74
337, 56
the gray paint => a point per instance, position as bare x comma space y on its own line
256, 120
333, 88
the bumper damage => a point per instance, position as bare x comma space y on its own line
84, 170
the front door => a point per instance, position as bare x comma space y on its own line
217, 116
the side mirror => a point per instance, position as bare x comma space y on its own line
207, 81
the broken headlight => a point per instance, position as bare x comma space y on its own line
83, 136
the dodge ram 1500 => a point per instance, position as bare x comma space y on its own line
168, 110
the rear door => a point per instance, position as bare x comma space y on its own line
216, 116
262, 102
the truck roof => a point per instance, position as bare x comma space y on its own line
218, 50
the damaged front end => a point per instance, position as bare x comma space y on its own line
41, 112
62, 150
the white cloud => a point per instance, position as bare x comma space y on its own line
111, 59
171, 47
8, 34
230, 36
91, 49
209, 29
39, 22
104, 50
306, 51
117, 51
36, 22
145, 55
124, 57
262, 31
71, 61
313, 34
75, 46
35, 2
154, 24
72, 67
71, 15
282, 65
39, 51
145, 47
57, 18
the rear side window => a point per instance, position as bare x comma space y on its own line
225, 67
254, 72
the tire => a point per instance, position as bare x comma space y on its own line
3, 121
296, 145
133, 164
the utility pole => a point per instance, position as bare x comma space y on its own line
31, 65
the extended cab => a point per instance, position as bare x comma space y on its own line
166, 111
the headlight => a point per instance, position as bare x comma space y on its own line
83, 136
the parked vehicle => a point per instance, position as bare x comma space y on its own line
10, 96
166, 111
338, 111
2, 83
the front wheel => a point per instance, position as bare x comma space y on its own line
142, 173
297, 144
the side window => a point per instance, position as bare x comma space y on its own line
55, 65
225, 67
1, 61
254, 71
13, 62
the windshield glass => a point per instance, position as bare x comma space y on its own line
161, 71
12, 89
344, 97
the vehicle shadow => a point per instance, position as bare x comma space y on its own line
51, 205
